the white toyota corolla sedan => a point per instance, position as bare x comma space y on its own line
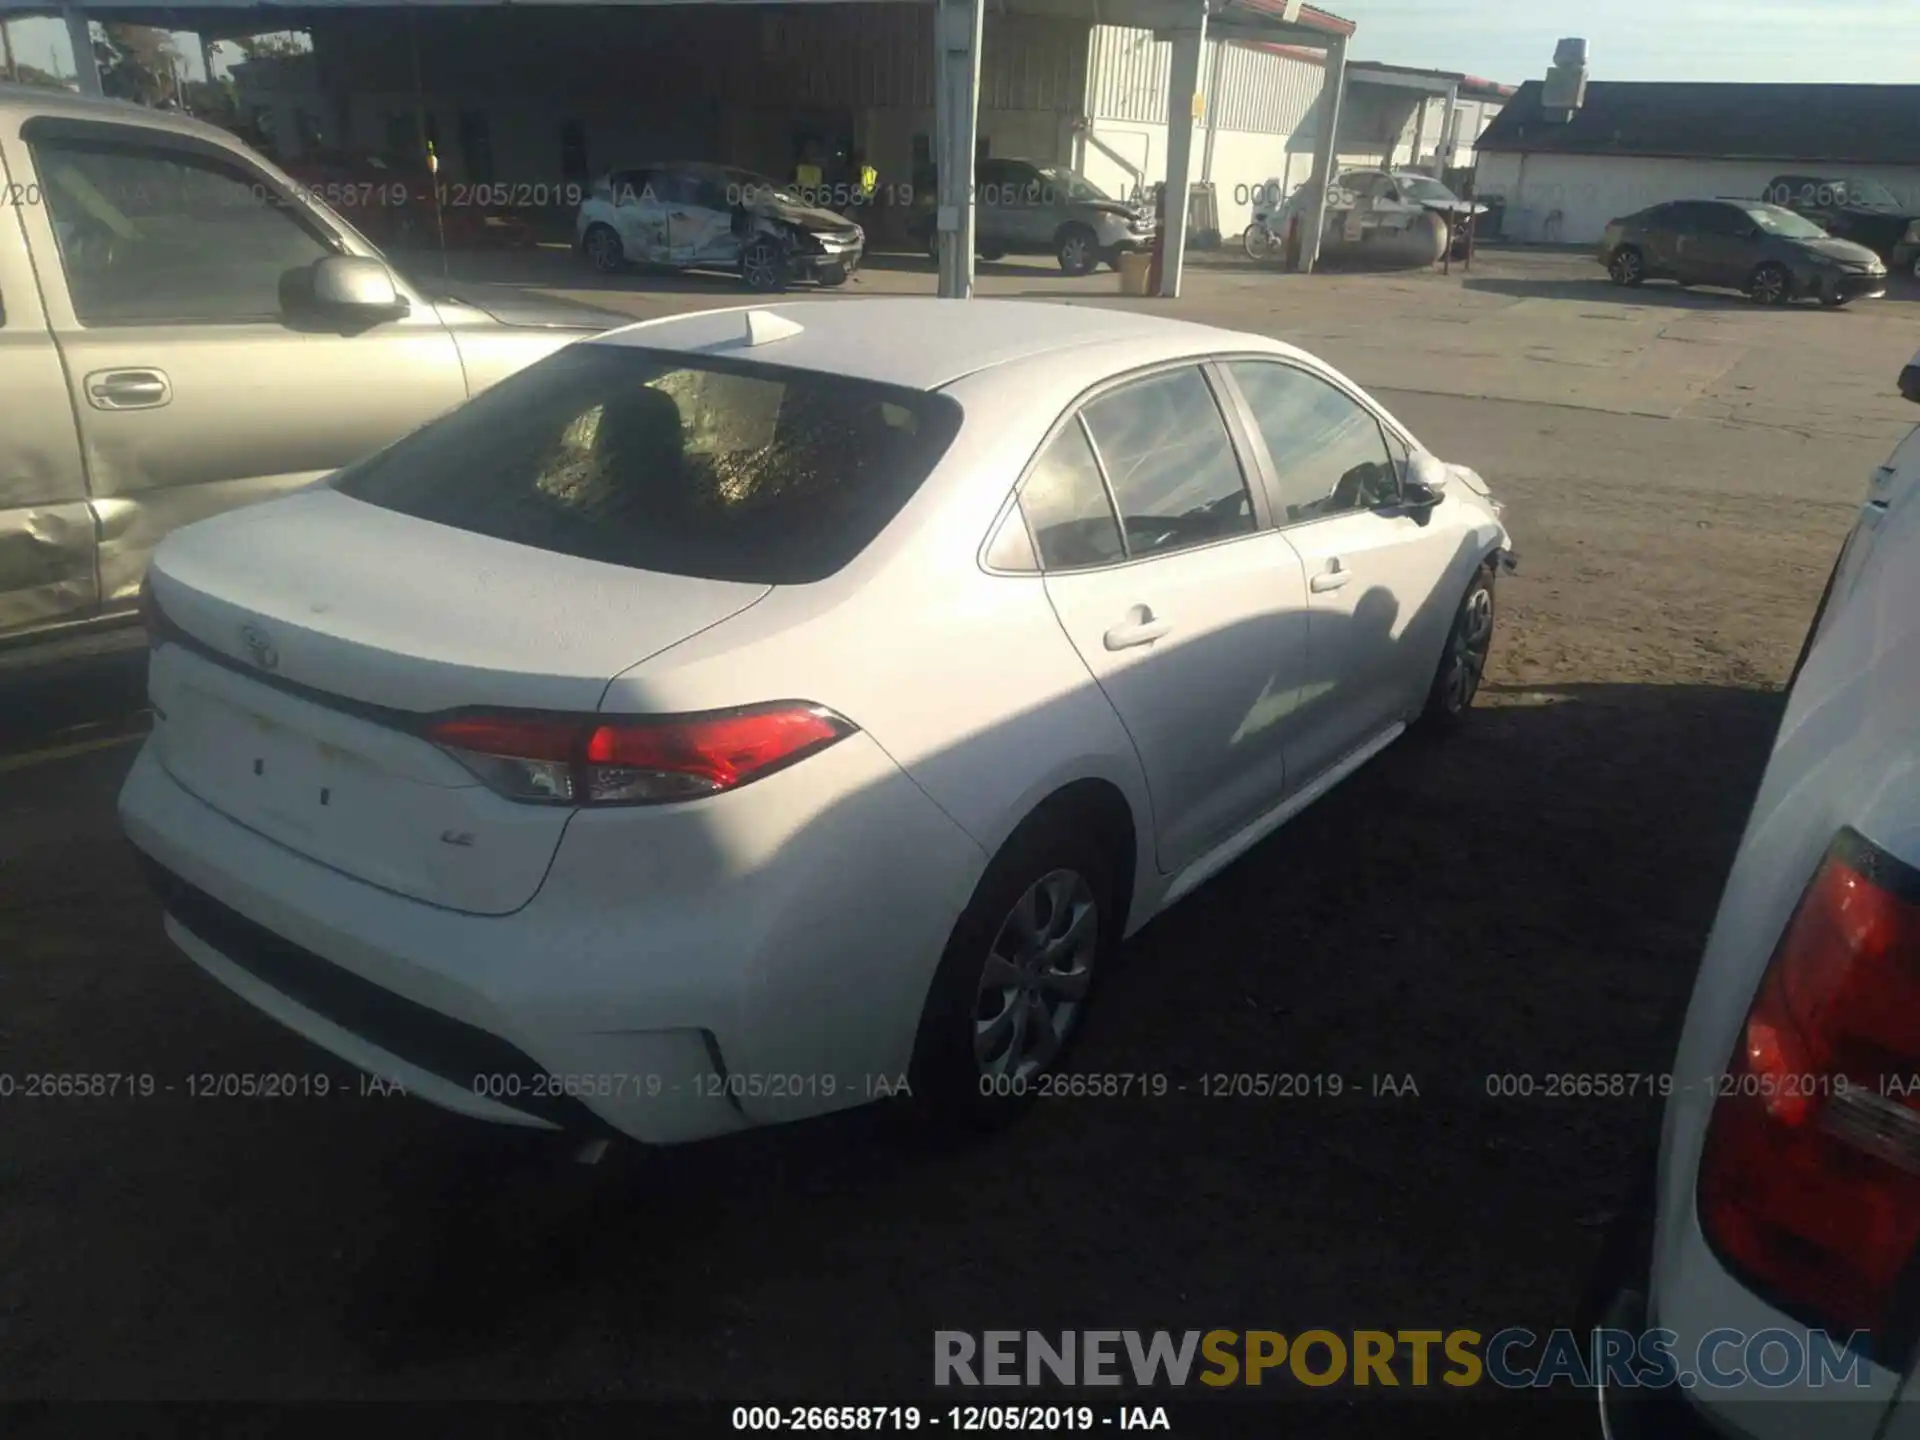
749, 714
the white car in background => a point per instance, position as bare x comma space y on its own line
688, 216
1787, 1198
735, 716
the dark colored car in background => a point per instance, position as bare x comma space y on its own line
1770, 254
1857, 209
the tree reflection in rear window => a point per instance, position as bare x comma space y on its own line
684, 464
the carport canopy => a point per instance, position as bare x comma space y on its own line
958, 27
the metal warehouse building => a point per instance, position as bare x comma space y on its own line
1626, 146
549, 94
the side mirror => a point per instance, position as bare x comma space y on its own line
354, 286
1427, 473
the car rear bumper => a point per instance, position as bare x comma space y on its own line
683, 972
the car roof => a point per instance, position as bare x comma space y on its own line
42, 100
925, 344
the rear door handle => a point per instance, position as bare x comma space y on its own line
1332, 578
1143, 629
127, 389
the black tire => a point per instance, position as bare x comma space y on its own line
834, 279
1627, 266
951, 1088
602, 249
763, 265
992, 252
1077, 249
1469, 643
1770, 284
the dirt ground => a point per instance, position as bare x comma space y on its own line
1527, 899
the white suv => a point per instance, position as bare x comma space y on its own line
1786, 1209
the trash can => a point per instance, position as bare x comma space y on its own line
1133, 267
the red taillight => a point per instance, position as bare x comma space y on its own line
1810, 1179
610, 760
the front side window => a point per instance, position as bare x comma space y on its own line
1418, 187
1170, 463
688, 465
150, 234
1330, 456
1777, 221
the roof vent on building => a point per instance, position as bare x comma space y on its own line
1566, 88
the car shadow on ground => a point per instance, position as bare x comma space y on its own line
1527, 898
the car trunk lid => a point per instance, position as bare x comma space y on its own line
305, 643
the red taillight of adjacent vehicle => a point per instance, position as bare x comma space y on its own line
1810, 1179
617, 760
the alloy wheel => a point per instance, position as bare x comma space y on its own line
1770, 284
1468, 650
1034, 983
1627, 268
604, 251
760, 266
1076, 255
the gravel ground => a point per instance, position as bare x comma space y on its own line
1529, 898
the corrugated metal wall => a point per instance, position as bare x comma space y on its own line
1260, 92
1127, 74
1267, 94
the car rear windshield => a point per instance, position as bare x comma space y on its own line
690, 465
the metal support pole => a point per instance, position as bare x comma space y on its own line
958, 26
6, 45
86, 65
1443, 157
1325, 151
1211, 117
1183, 99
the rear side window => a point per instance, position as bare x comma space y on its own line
688, 465
1067, 508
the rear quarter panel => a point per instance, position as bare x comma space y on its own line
1844, 755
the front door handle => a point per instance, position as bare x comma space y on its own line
1140, 628
127, 389
1331, 578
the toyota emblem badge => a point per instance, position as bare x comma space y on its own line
260, 646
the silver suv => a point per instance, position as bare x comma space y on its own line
1025, 208
183, 329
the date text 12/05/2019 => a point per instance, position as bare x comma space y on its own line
961, 1419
